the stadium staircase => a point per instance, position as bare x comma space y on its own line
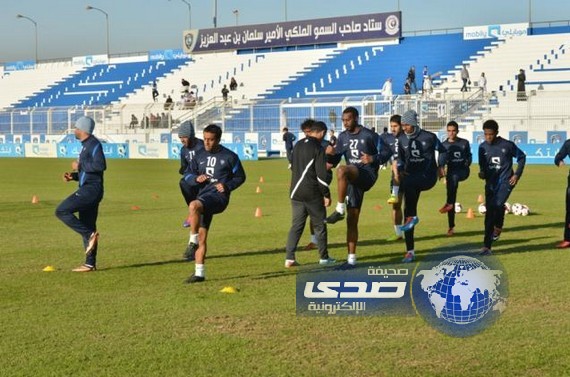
100, 84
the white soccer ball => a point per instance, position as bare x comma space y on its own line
482, 208
516, 209
525, 211
458, 207
507, 208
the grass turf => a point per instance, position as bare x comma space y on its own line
135, 317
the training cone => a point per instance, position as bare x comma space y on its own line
377, 207
470, 214
258, 190
258, 212
480, 199
35, 199
229, 290
261, 180
135, 208
48, 269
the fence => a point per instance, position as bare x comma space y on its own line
540, 111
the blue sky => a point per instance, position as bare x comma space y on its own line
66, 29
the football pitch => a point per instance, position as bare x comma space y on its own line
135, 317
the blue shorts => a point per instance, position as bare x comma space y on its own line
355, 193
214, 202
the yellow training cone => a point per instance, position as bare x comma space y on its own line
229, 290
48, 269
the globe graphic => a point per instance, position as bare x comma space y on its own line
462, 289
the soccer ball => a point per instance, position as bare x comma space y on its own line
516, 208
525, 211
507, 208
458, 207
482, 209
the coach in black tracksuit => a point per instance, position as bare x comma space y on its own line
309, 192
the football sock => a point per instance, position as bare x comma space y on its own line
340, 208
395, 190
314, 239
351, 259
398, 230
199, 270
193, 239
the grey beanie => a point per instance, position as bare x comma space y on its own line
186, 129
85, 124
410, 117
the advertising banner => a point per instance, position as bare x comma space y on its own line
495, 31
40, 150
295, 33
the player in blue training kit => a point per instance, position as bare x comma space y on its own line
391, 141
459, 159
417, 170
88, 170
190, 146
360, 148
216, 171
559, 161
496, 168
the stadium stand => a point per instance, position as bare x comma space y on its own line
100, 84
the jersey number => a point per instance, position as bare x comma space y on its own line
210, 165
354, 148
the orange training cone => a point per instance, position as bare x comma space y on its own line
377, 207
470, 214
135, 208
35, 199
261, 180
258, 190
258, 212
480, 199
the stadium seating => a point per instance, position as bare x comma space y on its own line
100, 84
22, 84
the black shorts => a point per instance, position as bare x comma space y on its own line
355, 193
214, 202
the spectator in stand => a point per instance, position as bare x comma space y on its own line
168, 104
185, 86
464, 78
154, 91
233, 84
225, 92
427, 87
407, 87
483, 83
412, 78
387, 89
521, 90
134, 121
189, 101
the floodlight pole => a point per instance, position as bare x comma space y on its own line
35, 29
89, 7
285, 10
215, 14
529, 12
236, 13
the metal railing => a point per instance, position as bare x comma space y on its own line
539, 111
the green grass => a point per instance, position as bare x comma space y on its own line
134, 317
